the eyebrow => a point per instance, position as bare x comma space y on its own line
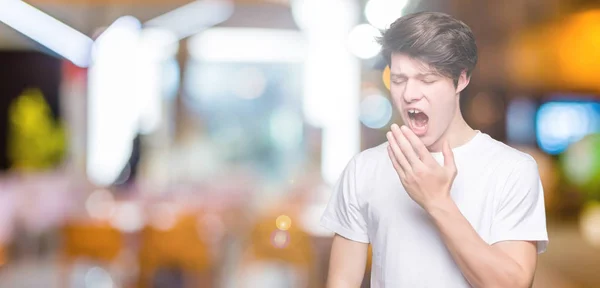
420, 75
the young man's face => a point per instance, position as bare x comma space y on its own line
427, 101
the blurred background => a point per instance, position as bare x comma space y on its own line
153, 143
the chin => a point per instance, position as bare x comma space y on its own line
427, 140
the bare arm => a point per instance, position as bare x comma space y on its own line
347, 263
504, 264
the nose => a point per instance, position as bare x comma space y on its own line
412, 93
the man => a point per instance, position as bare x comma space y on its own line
442, 205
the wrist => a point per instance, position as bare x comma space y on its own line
440, 207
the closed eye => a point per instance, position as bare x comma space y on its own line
398, 80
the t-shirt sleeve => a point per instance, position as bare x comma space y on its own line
343, 215
520, 213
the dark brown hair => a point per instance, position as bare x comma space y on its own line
443, 42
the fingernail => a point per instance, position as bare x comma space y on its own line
395, 126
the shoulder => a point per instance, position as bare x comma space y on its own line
505, 155
510, 165
370, 164
372, 159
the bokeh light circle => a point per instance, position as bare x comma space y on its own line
589, 223
386, 77
375, 111
581, 165
280, 239
283, 222
362, 41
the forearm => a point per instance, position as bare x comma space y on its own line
482, 265
341, 282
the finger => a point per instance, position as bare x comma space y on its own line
405, 146
417, 145
400, 158
395, 163
448, 157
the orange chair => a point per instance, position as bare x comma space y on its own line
93, 241
293, 247
97, 241
269, 243
180, 246
2, 256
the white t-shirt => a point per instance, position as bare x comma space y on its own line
497, 189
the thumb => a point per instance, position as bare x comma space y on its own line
448, 156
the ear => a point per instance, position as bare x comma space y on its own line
463, 81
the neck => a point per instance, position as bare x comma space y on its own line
457, 134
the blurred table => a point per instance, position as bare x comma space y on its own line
569, 261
